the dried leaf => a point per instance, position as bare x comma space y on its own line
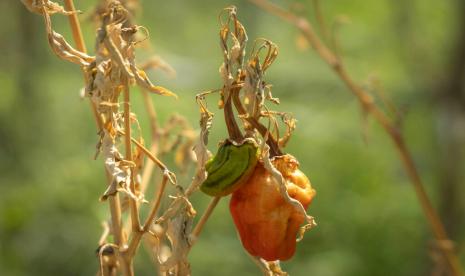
157, 62
178, 230
62, 48
118, 170
143, 81
41, 6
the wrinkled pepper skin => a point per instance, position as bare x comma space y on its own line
266, 222
230, 167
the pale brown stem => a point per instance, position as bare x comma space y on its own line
270, 140
147, 152
115, 216
152, 115
156, 204
146, 177
206, 215
127, 128
148, 168
128, 258
105, 233
233, 129
369, 106
114, 201
147, 173
321, 20
150, 218
81, 46
75, 26
379, 90
128, 267
115, 213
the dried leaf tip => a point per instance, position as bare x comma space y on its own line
49, 7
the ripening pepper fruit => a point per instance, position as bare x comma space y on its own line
266, 222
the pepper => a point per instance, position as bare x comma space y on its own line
266, 222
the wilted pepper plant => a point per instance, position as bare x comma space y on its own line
269, 192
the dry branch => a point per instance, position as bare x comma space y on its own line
368, 105
107, 76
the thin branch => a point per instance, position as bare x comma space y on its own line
231, 124
75, 26
321, 20
114, 201
150, 218
150, 155
127, 126
148, 168
206, 215
116, 221
105, 233
379, 90
81, 46
152, 115
270, 140
137, 231
156, 204
369, 106
147, 174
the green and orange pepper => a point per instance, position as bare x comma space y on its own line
267, 223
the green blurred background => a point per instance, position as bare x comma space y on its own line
369, 220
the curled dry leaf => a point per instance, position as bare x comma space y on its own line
41, 6
109, 74
178, 218
178, 229
60, 46
144, 82
57, 42
156, 62
117, 168
114, 68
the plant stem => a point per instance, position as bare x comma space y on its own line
115, 214
114, 201
75, 26
127, 128
233, 129
152, 116
321, 21
150, 218
156, 204
206, 215
147, 172
147, 152
270, 140
146, 177
148, 168
81, 46
369, 106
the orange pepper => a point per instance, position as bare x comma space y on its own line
266, 222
